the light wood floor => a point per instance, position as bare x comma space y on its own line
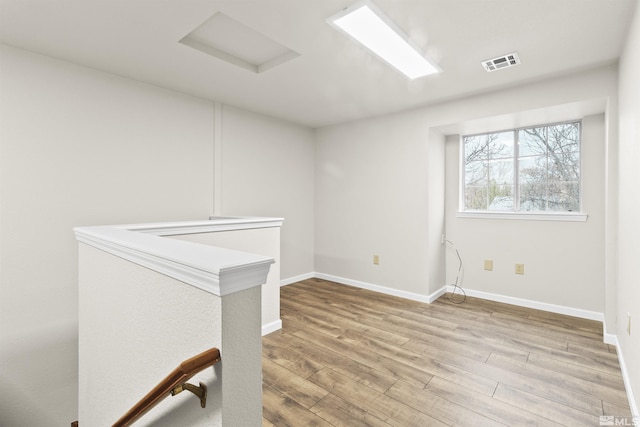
350, 357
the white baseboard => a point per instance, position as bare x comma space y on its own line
437, 294
608, 338
383, 289
298, 278
271, 327
627, 380
553, 308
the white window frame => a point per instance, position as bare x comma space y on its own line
516, 213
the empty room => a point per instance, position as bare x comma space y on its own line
253, 202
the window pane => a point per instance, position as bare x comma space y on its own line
564, 196
564, 138
500, 198
488, 146
501, 145
533, 197
533, 170
475, 198
501, 172
564, 167
476, 173
532, 142
475, 148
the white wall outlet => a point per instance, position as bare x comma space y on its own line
376, 259
519, 268
488, 264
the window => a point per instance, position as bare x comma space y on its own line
533, 169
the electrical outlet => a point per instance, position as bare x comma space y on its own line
519, 268
628, 323
488, 264
376, 260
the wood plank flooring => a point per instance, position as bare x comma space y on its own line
350, 357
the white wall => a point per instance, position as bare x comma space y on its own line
372, 197
564, 261
629, 206
268, 170
79, 147
436, 171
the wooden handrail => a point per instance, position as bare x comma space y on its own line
174, 381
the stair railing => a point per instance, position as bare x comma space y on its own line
174, 383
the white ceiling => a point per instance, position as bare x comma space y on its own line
332, 80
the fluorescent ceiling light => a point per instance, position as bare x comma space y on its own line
366, 24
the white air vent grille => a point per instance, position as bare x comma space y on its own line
501, 62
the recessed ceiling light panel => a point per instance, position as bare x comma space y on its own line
501, 62
366, 24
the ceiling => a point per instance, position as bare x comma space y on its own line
331, 80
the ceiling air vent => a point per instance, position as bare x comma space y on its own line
501, 62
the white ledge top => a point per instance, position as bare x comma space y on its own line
216, 270
220, 223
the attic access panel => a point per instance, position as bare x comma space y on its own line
225, 38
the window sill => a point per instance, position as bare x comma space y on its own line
527, 216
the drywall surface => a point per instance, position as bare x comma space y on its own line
629, 206
79, 147
267, 170
436, 253
372, 198
564, 261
